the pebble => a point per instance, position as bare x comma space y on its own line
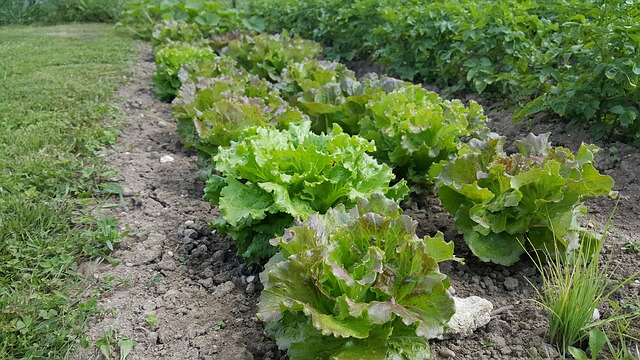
447, 353
152, 337
250, 278
510, 283
128, 264
162, 124
251, 288
189, 223
166, 159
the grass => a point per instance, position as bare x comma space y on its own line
574, 285
56, 84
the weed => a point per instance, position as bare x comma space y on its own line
574, 285
151, 321
218, 325
110, 339
633, 246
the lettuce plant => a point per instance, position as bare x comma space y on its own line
273, 176
197, 103
169, 60
267, 55
343, 102
310, 74
357, 284
176, 31
531, 199
414, 128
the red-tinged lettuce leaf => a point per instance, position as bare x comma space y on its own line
169, 60
504, 205
357, 283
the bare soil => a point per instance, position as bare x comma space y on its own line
182, 293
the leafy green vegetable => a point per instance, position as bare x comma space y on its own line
578, 59
414, 128
211, 17
357, 284
310, 74
268, 55
342, 103
169, 60
176, 31
198, 96
504, 204
273, 176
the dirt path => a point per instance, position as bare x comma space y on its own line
179, 290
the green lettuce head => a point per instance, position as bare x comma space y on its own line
531, 199
357, 284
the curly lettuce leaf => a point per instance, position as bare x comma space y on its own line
296, 173
267, 55
357, 283
414, 128
505, 205
169, 59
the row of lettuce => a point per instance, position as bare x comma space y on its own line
308, 164
576, 58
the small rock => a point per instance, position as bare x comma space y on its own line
162, 124
152, 337
189, 224
251, 288
199, 251
128, 264
446, 353
167, 264
207, 283
127, 191
224, 289
471, 313
510, 283
250, 278
166, 159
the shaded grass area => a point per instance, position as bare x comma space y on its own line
55, 88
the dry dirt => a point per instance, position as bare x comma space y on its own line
181, 293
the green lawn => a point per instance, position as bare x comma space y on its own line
56, 86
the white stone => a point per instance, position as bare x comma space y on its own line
166, 159
471, 313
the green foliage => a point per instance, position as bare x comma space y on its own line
342, 103
218, 100
49, 174
574, 286
273, 176
268, 55
357, 284
169, 59
176, 31
221, 110
212, 17
18, 12
59, 11
414, 128
504, 203
575, 58
309, 75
